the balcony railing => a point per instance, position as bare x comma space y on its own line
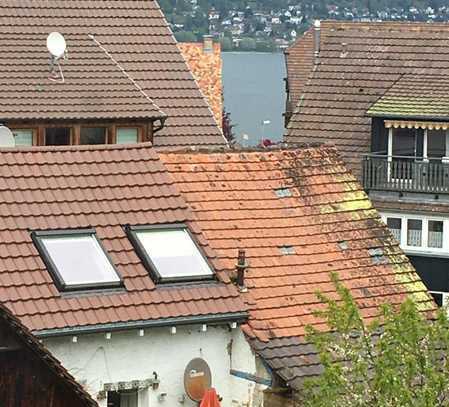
408, 174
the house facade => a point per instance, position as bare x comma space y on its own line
122, 78
106, 265
29, 375
378, 92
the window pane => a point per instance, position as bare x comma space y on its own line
394, 224
436, 143
414, 232
173, 253
93, 135
438, 297
23, 137
435, 234
404, 142
57, 136
127, 135
79, 259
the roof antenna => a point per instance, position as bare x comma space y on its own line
57, 47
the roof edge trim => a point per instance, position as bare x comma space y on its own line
158, 323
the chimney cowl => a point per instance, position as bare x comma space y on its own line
208, 44
241, 267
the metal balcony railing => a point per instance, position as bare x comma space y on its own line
407, 174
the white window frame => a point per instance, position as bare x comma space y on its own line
423, 249
445, 296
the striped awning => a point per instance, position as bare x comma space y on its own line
411, 124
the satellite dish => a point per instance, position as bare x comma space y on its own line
197, 379
6, 137
56, 44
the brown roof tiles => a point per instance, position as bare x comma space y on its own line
103, 187
134, 33
357, 64
324, 221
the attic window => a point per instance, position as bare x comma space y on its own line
169, 253
283, 192
76, 259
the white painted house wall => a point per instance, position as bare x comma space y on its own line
126, 356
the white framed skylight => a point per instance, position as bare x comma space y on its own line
170, 253
76, 259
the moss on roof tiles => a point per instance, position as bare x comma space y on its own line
414, 96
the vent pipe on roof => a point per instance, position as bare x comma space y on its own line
241, 267
208, 44
317, 39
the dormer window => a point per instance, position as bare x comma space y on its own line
169, 253
76, 259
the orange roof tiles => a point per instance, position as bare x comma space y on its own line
102, 187
207, 70
357, 64
136, 35
305, 199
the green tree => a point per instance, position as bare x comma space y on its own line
399, 360
226, 44
185, 36
248, 44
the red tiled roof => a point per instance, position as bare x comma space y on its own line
103, 187
358, 63
299, 63
207, 70
136, 35
22, 333
324, 217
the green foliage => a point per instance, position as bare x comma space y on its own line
185, 36
226, 44
247, 44
265, 46
399, 360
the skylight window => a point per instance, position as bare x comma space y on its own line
170, 253
76, 259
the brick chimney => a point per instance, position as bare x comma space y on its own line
208, 44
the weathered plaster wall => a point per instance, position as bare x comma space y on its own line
95, 360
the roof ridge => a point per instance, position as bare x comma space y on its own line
283, 147
85, 147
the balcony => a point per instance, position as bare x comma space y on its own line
405, 174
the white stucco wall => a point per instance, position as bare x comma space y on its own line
95, 360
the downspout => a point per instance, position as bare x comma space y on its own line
161, 125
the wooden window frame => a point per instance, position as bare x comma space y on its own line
141, 134
77, 138
144, 130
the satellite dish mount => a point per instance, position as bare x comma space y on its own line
57, 47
